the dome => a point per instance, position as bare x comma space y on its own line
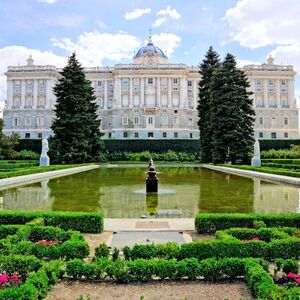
150, 49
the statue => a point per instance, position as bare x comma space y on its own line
256, 161
44, 158
152, 180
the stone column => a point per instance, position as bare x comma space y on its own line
115, 92
22, 94
158, 102
105, 95
35, 93
291, 96
10, 91
48, 83
277, 90
169, 92
265, 91
195, 87
182, 96
130, 102
119, 100
142, 92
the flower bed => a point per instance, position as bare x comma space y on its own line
45, 242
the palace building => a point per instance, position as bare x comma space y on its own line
149, 98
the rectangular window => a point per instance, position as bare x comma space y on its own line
27, 135
99, 83
283, 82
286, 135
258, 82
150, 135
271, 90
260, 135
285, 121
125, 134
16, 121
136, 134
175, 121
41, 82
125, 120
136, 120
110, 84
28, 82
175, 80
39, 121
125, 81
150, 120
109, 135
17, 83
261, 121
40, 135
150, 80
189, 82
271, 82
27, 121
273, 120
190, 122
176, 135
191, 135
273, 135
164, 134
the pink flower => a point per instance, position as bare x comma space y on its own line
245, 241
14, 278
292, 275
298, 280
3, 278
46, 243
256, 238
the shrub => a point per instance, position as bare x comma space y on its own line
290, 265
28, 155
101, 251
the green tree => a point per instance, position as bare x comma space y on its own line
7, 144
232, 113
76, 131
208, 65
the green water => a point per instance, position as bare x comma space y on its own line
120, 193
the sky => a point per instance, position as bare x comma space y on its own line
107, 32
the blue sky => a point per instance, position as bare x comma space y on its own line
108, 32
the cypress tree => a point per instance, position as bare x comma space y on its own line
232, 113
208, 65
76, 126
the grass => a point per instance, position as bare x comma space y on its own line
270, 170
35, 169
157, 162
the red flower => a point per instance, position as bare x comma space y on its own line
245, 241
292, 275
46, 243
3, 278
298, 280
14, 279
256, 238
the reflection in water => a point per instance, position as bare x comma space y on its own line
114, 191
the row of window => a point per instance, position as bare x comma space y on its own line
271, 82
27, 135
29, 82
273, 121
125, 81
151, 135
28, 121
270, 90
273, 135
150, 121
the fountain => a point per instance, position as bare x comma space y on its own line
152, 180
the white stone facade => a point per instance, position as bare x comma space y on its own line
149, 98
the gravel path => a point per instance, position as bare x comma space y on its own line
71, 290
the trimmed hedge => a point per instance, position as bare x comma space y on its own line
70, 244
80, 221
29, 144
41, 276
208, 223
282, 161
276, 144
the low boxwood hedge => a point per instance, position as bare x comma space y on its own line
68, 244
208, 223
80, 221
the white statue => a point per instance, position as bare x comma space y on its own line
256, 161
44, 158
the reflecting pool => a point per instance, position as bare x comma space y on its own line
184, 191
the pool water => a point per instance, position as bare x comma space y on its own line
183, 191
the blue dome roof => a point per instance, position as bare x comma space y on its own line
150, 48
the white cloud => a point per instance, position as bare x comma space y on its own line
166, 14
93, 47
137, 13
168, 42
14, 55
243, 62
47, 1
256, 23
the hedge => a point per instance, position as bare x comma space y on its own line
69, 244
142, 270
208, 223
41, 276
80, 221
276, 144
282, 161
126, 145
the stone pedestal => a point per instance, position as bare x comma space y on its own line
151, 181
255, 162
44, 161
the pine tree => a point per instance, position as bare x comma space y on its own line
232, 113
76, 126
208, 65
